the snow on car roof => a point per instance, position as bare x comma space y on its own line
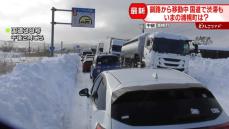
148, 79
88, 59
119, 42
106, 54
168, 36
147, 76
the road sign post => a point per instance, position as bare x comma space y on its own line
52, 31
81, 17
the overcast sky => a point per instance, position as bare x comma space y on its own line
112, 19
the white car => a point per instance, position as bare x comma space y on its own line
152, 99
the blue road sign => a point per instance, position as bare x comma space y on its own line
51, 48
83, 17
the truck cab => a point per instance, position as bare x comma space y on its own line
157, 50
168, 51
116, 45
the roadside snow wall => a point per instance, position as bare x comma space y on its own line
213, 73
39, 95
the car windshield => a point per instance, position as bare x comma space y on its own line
163, 45
107, 60
86, 53
89, 56
116, 48
161, 107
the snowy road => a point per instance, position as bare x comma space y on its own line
80, 111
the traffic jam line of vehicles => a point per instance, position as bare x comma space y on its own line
163, 96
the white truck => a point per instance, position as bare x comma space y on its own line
100, 48
163, 50
116, 45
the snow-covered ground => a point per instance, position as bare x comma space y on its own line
39, 95
44, 94
79, 118
213, 73
14, 57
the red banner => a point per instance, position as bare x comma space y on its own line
212, 25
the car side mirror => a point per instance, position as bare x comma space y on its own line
84, 92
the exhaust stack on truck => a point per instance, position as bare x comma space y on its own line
163, 50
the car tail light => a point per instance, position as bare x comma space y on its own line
221, 126
98, 126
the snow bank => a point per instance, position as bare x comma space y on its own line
214, 73
214, 47
39, 95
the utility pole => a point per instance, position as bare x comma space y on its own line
61, 47
44, 47
143, 27
29, 47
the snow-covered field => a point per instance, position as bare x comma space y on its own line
14, 57
39, 95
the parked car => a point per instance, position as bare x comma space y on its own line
104, 62
87, 64
152, 99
